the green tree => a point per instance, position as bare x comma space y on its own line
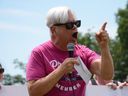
122, 47
10, 80
89, 40
114, 48
17, 79
19, 64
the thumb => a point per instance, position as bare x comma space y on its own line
97, 35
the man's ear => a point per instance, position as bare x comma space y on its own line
53, 30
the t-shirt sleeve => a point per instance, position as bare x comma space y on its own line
92, 56
34, 68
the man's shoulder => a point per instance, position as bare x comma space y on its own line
81, 47
42, 46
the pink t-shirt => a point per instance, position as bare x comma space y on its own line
47, 57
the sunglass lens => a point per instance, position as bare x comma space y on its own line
69, 25
78, 23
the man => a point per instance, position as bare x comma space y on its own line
1, 74
50, 70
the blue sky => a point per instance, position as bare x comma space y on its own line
22, 24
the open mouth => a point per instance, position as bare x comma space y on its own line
74, 35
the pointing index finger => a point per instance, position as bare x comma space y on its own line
104, 26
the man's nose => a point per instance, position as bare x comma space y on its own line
74, 27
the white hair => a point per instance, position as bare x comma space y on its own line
58, 15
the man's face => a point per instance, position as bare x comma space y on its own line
1, 73
1, 76
68, 32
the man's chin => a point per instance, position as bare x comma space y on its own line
74, 40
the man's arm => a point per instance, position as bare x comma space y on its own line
103, 67
44, 85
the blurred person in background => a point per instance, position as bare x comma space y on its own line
1, 74
96, 80
124, 84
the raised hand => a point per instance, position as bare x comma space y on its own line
102, 36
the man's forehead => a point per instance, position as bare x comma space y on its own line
71, 17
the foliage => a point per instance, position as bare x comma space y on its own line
17, 79
10, 80
89, 40
121, 57
19, 64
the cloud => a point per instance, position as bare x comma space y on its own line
18, 12
18, 28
